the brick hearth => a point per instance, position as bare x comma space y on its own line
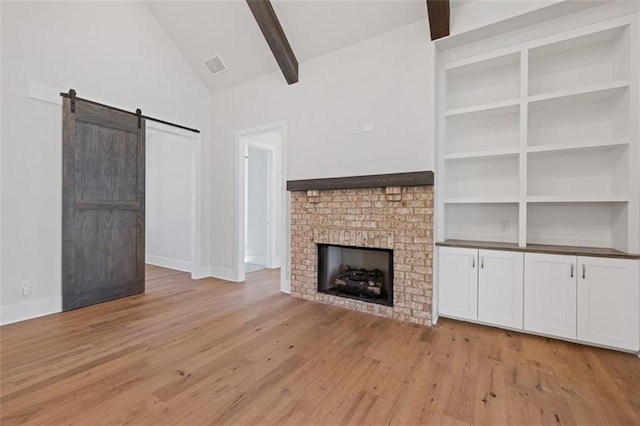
397, 218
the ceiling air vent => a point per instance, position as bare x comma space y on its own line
215, 65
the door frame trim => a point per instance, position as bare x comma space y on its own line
197, 270
279, 154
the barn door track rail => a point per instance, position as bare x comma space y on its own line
73, 98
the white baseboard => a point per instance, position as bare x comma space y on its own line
166, 262
202, 272
227, 274
258, 260
31, 309
285, 285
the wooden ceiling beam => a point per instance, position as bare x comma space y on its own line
439, 15
269, 24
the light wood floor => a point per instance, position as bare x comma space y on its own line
211, 352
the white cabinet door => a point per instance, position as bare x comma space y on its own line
550, 294
458, 282
500, 287
609, 302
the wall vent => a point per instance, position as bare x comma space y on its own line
215, 65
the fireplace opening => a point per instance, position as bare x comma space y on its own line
356, 272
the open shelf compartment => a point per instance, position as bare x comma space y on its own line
595, 58
598, 172
603, 225
596, 118
482, 222
493, 130
484, 82
486, 177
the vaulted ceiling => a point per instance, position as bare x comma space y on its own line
204, 29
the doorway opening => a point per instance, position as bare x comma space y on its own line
261, 199
258, 188
170, 215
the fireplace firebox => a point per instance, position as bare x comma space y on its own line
356, 272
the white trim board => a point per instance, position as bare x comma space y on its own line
43, 92
201, 272
166, 262
30, 309
226, 274
258, 260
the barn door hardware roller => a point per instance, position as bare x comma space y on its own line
72, 97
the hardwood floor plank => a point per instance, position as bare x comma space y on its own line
215, 352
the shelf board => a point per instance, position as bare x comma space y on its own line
482, 108
593, 92
483, 154
610, 198
481, 200
576, 146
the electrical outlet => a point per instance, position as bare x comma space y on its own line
25, 286
504, 227
352, 130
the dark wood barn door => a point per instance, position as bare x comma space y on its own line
102, 204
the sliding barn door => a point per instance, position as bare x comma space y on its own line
102, 204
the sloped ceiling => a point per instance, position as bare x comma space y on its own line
203, 29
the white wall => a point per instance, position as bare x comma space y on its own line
257, 207
386, 80
168, 200
114, 53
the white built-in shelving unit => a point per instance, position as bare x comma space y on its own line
538, 142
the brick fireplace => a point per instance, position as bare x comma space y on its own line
391, 212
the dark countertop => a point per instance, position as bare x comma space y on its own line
541, 248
